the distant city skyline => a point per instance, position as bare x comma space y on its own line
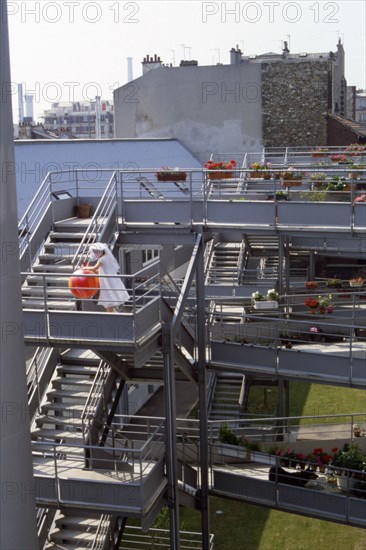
74, 50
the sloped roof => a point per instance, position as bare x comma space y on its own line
358, 128
35, 158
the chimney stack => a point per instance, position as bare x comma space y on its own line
150, 63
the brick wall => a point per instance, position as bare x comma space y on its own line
340, 134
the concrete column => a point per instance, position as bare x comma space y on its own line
17, 516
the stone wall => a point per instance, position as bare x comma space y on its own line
295, 103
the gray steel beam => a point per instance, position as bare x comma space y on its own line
171, 435
17, 517
202, 385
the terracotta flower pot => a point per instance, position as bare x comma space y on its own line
83, 210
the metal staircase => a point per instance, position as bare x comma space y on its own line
56, 256
226, 186
71, 531
71, 413
71, 402
225, 404
226, 264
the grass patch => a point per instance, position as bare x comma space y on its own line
315, 399
244, 526
263, 400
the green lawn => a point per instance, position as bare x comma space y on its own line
308, 400
315, 399
247, 527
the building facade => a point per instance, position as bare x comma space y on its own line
82, 119
270, 99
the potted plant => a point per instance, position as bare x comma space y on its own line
317, 179
291, 178
270, 301
316, 334
340, 159
322, 459
354, 173
219, 170
226, 435
281, 196
355, 150
313, 304
337, 183
356, 430
319, 152
361, 199
258, 170
83, 210
349, 457
311, 285
325, 304
357, 282
334, 283
171, 174
288, 457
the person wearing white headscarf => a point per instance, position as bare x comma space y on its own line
112, 291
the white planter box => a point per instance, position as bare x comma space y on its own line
355, 285
263, 458
268, 304
344, 482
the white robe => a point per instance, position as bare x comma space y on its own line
112, 290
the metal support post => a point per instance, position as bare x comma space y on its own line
170, 435
201, 346
312, 266
287, 264
280, 264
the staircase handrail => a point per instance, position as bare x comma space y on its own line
207, 256
95, 398
101, 211
102, 532
210, 392
242, 251
34, 213
140, 455
34, 372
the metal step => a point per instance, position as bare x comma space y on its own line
61, 245
77, 382
73, 423
66, 546
72, 535
71, 235
78, 357
51, 291
77, 393
52, 282
81, 369
63, 408
52, 257
65, 435
53, 268
75, 521
29, 303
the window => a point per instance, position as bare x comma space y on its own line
149, 255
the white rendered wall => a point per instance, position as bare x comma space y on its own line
209, 109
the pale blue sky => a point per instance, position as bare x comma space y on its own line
76, 49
